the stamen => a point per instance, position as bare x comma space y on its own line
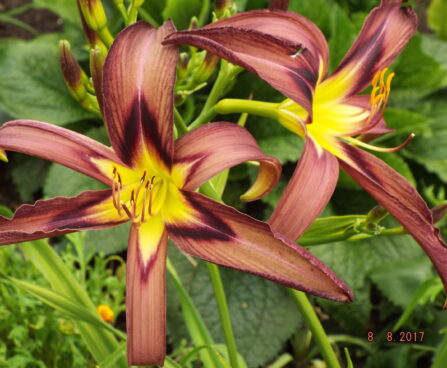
143, 206
133, 203
358, 142
126, 209
379, 96
118, 195
151, 186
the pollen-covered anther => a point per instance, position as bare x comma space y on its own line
116, 190
381, 88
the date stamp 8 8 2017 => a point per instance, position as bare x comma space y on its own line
400, 336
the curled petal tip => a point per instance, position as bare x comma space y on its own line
3, 156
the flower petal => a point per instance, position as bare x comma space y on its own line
222, 235
385, 33
397, 195
146, 293
283, 48
87, 211
212, 148
138, 82
59, 145
301, 202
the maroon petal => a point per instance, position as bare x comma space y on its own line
146, 296
212, 148
138, 82
397, 195
283, 48
308, 192
385, 33
87, 211
59, 145
222, 235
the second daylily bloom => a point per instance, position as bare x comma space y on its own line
153, 183
291, 54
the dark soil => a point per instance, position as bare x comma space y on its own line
41, 20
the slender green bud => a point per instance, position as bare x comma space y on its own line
183, 65
92, 38
97, 60
377, 214
94, 14
207, 67
194, 23
74, 76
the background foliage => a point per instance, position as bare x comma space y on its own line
389, 275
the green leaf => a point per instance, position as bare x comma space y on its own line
31, 84
318, 11
406, 121
398, 164
260, 310
181, 11
397, 280
436, 16
353, 263
29, 175
417, 74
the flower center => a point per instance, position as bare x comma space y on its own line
141, 199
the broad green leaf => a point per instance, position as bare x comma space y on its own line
29, 175
406, 121
353, 263
398, 357
417, 74
31, 84
441, 354
436, 17
318, 11
262, 312
397, 280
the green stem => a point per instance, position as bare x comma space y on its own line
105, 36
227, 72
314, 324
260, 108
180, 123
224, 313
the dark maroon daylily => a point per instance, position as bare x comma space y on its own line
291, 54
153, 184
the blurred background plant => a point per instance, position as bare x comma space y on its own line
395, 286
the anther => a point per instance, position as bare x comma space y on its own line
151, 186
143, 207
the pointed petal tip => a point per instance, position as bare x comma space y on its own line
3, 156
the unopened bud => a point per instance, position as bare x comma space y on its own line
3, 156
94, 14
439, 212
194, 23
74, 76
278, 4
97, 59
221, 5
207, 67
105, 312
183, 65
377, 214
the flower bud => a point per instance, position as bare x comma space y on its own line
207, 67
94, 14
377, 214
220, 6
97, 59
105, 312
74, 76
278, 4
183, 65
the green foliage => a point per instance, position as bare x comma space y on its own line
436, 16
260, 310
31, 84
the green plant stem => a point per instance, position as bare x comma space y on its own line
314, 324
227, 72
260, 108
224, 313
180, 123
105, 36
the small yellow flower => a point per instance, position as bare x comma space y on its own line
105, 312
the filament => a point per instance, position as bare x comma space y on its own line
358, 142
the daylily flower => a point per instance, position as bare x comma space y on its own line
153, 183
290, 53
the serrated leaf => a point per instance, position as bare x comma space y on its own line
31, 84
263, 315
